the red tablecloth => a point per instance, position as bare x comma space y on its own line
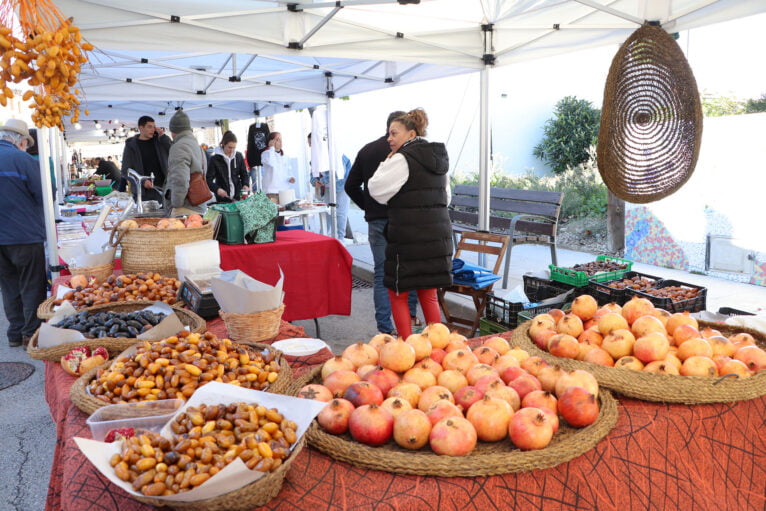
317, 271
658, 457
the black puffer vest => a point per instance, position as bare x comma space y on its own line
419, 234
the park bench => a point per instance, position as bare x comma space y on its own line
531, 216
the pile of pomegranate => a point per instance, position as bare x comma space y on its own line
640, 337
433, 389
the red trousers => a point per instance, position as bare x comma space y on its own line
401, 311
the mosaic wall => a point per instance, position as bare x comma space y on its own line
648, 241
759, 274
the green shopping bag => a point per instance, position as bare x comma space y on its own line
259, 218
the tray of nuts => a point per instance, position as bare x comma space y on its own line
602, 269
675, 296
175, 367
226, 449
618, 290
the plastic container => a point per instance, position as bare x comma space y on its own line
231, 230
148, 415
581, 279
505, 313
604, 294
696, 304
201, 256
103, 190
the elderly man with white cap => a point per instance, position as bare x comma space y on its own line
23, 274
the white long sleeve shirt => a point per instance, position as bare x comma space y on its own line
275, 176
391, 175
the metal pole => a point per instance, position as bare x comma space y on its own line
43, 138
484, 148
331, 154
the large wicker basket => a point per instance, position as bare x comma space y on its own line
486, 459
661, 387
115, 345
152, 250
88, 403
101, 273
250, 328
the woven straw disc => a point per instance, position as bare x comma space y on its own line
651, 119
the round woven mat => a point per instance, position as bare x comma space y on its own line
651, 119
486, 459
12, 373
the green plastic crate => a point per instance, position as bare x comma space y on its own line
231, 231
580, 278
487, 327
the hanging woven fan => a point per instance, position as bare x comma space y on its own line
651, 119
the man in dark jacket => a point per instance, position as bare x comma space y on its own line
109, 170
147, 154
376, 215
23, 273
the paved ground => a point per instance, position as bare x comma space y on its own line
27, 435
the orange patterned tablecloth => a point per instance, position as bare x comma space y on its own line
659, 456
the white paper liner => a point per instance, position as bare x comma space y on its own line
239, 293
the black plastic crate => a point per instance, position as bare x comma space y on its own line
697, 304
605, 294
505, 313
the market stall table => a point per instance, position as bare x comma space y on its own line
658, 457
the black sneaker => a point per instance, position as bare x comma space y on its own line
14, 344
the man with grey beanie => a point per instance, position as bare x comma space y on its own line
185, 157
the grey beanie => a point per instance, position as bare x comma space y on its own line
179, 122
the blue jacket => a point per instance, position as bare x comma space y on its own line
21, 197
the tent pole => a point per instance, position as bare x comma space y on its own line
331, 150
484, 170
43, 138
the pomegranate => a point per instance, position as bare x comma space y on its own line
438, 354
506, 361
511, 373
742, 339
569, 324
548, 377
583, 349
397, 356
467, 396
698, 366
591, 336
733, 366
361, 354
619, 343
556, 314
384, 379
452, 380
698, 347
395, 406
610, 307
635, 308
544, 318
563, 345
507, 394
442, 409
490, 417
479, 370
540, 338
334, 364
530, 429
316, 392
432, 394
599, 356
518, 353
431, 365
335, 415
610, 322
629, 363
721, 345
577, 378
533, 365
646, 325
363, 393
371, 425
672, 359
407, 391
379, 340
453, 436
423, 378
540, 399
338, 381
752, 356
365, 370
461, 360
661, 367
683, 333
578, 407
412, 429
708, 332
485, 381
678, 319
498, 344
420, 344
651, 347
525, 384
486, 355
438, 335
662, 315
553, 417
458, 342
584, 307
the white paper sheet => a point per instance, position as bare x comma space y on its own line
239, 293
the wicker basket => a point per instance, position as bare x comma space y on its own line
250, 328
486, 459
146, 250
114, 345
101, 273
88, 403
661, 387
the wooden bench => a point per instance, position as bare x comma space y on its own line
534, 216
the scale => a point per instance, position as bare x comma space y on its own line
198, 294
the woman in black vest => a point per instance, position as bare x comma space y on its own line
413, 182
226, 173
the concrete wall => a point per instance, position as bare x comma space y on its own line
725, 196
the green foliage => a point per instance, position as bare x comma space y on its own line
585, 194
756, 105
568, 134
718, 106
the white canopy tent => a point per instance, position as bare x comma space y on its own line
292, 52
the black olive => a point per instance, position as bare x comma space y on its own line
133, 331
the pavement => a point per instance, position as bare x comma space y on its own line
28, 436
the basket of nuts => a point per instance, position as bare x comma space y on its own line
602, 269
176, 367
226, 449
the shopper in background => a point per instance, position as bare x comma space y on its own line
23, 275
185, 157
413, 182
275, 171
376, 215
109, 170
227, 174
147, 154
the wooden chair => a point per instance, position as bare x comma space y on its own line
480, 242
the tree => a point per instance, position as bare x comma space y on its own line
756, 105
568, 134
719, 106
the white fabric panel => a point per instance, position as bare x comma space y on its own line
320, 155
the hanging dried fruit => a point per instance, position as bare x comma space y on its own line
49, 55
